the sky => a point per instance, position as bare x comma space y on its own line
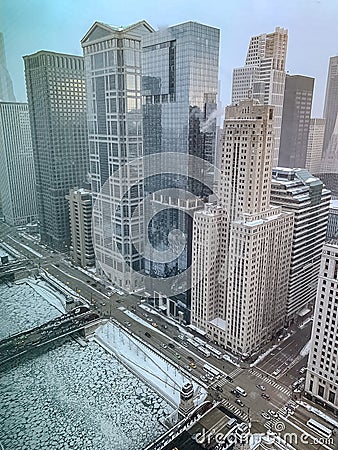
59, 25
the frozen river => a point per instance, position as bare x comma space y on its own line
67, 396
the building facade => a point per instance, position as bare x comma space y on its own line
296, 117
113, 72
298, 192
315, 145
57, 108
179, 87
329, 163
6, 85
332, 223
255, 240
322, 371
17, 176
263, 76
80, 215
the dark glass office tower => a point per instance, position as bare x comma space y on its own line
296, 117
57, 109
179, 88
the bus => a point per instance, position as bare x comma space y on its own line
214, 351
319, 428
204, 351
193, 343
212, 370
199, 341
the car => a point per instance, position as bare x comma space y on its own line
265, 415
155, 324
185, 344
276, 372
178, 356
147, 334
128, 324
192, 365
228, 378
273, 413
265, 396
164, 346
180, 336
302, 370
170, 345
261, 387
235, 393
187, 368
239, 402
219, 388
149, 319
210, 376
203, 378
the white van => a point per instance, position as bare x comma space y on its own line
231, 423
241, 391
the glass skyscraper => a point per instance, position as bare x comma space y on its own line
179, 88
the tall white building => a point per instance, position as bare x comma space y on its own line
322, 371
80, 216
263, 76
299, 192
113, 73
17, 176
315, 145
240, 301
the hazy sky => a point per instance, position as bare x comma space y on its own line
58, 25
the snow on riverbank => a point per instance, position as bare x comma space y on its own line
148, 365
52, 296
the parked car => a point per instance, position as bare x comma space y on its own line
228, 378
239, 402
266, 396
164, 346
261, 387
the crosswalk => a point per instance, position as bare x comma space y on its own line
276, 423
271, 381
233, 375
231, 407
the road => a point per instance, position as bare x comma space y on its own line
163, 332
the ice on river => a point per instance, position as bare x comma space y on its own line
78, 398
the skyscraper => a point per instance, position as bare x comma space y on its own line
80, 214
57, 109
331, 101
299, 192
179, 87
113, 72
263, 76
6, 85
254, 240
322, 370
17, 177
329, 163
315, 145
297, 105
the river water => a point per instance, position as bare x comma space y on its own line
66, 396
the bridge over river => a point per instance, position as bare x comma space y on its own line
18, 344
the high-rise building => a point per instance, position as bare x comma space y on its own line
329, 164
332, 223
315, 145
263, 76
17, 177
180, 85
113, 72
57, 109
331, 101
299, 192
6, 85
255, 240
296, 116
322, 370
80, 214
